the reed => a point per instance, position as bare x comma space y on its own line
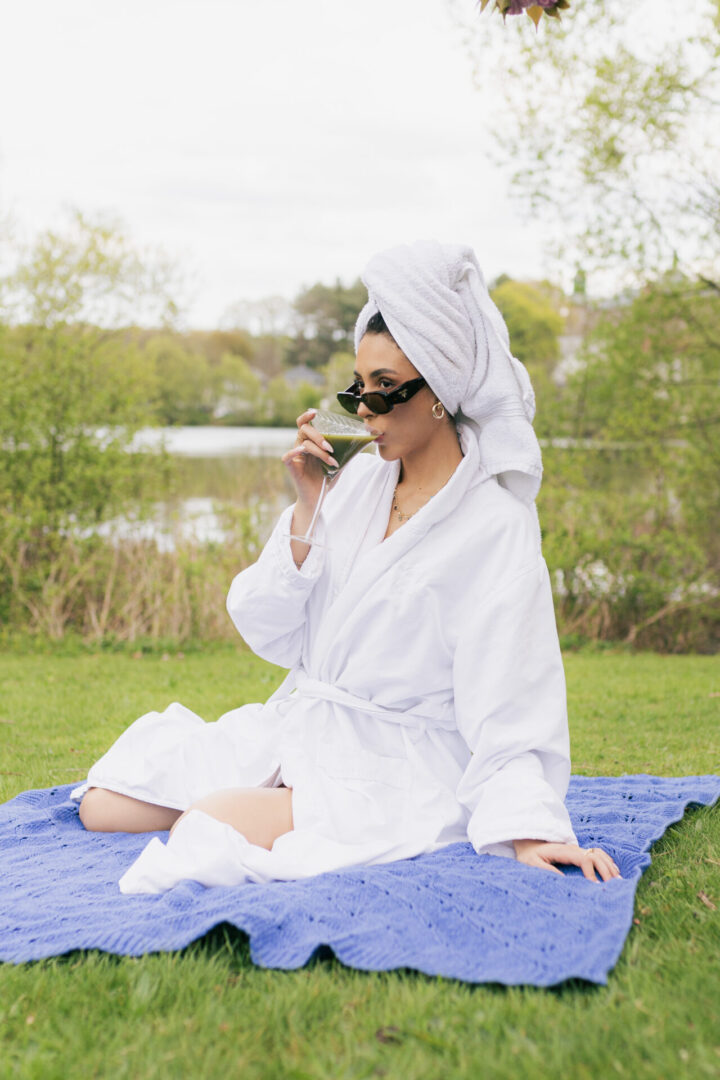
127, 591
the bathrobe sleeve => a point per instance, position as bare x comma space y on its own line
511, 709
267, 601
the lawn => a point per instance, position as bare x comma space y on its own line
208, 1012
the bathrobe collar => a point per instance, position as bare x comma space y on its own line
374, 556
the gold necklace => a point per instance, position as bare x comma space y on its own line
401, 517
406, 517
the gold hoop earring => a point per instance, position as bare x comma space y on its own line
438, 410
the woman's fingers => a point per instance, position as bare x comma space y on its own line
600, 860
294, 455
605, 865
312, 447
592, 861
581, 857
587, 865
589, 860
542, 864
308, 432
305, 417
535, 856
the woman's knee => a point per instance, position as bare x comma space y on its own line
94, 810
260, 814
102, 810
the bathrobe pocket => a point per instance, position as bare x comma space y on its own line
352, 794
362, 767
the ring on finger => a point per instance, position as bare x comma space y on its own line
599, 851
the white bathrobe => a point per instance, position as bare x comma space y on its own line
425, 702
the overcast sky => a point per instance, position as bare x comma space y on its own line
265, 144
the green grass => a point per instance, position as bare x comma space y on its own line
208, 1012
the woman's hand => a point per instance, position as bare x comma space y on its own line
543, 854
303, 461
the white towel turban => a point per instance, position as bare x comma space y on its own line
436, 305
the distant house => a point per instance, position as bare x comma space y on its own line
301, 373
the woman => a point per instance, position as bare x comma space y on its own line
426, 699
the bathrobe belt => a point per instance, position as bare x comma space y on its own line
430, 715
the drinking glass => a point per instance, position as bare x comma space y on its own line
346, 436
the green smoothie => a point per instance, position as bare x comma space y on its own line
346, 436
344, 447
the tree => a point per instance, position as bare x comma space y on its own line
89, 273
534, 324
632, 516
271, 321
216, 344
533, 321
609, 125
338, 373
237, 391
284, 403
270, 315
650, 369
326, 317
182, 390
72, 393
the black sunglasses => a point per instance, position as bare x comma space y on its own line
379, 401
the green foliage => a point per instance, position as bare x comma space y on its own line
617, 143
216, 344
72, 393
630, 503
652, 370
608, 126
338, 374
192, 387
327, 315
534, 324
59, 386
632, 529
127, 591
89, 272
533, 321
283, 403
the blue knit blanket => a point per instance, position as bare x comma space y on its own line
453, 913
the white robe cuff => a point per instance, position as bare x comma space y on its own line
314, 561
518, 803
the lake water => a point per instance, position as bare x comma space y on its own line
215, 467
236, 467
217, 442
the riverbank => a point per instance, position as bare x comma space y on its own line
624, 568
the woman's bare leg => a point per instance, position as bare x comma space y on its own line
108, 811
260, 814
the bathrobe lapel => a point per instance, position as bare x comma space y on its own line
374, 557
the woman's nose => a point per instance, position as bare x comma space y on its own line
363, 411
